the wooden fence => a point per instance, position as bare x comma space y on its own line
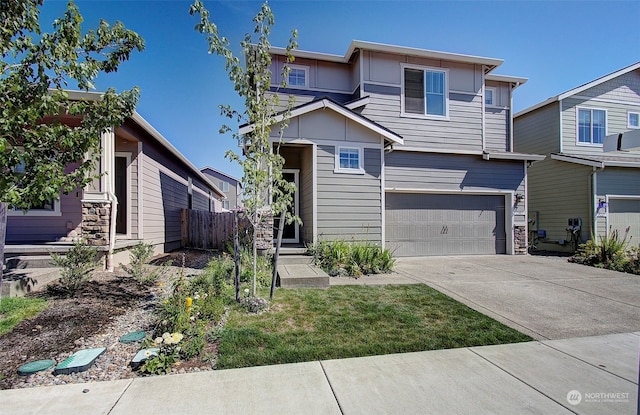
205, 230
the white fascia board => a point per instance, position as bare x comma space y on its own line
323, 103
219, 172
577, 160
137, 118
599, 81
358, 103
425, 53
506, 78
308, 55
620, 163
513, 156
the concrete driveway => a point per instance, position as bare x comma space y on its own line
544, 297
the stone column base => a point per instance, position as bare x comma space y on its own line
95, 222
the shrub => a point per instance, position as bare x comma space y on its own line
351, 258
264, 269
609, 251
139, 257
76, 266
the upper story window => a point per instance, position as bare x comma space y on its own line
425, 91
592, 125
224, 186
349, 160
490, 96
633, 120
298, 76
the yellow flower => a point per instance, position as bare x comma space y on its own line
158, 340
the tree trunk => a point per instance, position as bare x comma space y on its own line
236, 255
3, 232
277, 255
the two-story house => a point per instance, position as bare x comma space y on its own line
229, 185
599, 191
409, 148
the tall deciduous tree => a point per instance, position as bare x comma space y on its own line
37, 141
266, 193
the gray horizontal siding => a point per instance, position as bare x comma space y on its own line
538, 132
497, 129
463, 130
559, 191
349, 206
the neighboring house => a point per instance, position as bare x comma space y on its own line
408, 148
152, 182
578, 180
229, 185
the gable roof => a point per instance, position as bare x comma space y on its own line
328, 103
355, 45
220, 172
581, 88
148, 128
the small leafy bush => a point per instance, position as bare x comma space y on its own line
76, 266
354, 258
169, 353
140, 255
609, 251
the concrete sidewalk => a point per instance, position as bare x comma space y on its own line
592, 375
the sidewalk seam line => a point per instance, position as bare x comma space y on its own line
522, 381
120, 397
584, 361
326, 376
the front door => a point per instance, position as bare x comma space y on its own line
291, 232
121, 191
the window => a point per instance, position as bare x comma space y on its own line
425, 92
224, 186
45, 208
298, 76
592, 126
490, 96
633, 120
349, 160
225, 204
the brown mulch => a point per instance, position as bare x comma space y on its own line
90, 310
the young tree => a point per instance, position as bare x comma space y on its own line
36, 146
266, 193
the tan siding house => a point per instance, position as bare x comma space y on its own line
578, 179
143, 175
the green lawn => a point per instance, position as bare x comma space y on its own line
350, 321
14, 310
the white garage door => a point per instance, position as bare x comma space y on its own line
625, 213
442, 224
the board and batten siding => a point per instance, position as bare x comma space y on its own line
538, 132
559, 191
614, 181
349, 205
455, 173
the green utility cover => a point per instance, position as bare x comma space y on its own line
132, 337
33, 367
79, 361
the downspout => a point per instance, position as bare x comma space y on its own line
594, 201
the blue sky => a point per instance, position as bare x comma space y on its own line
558, 45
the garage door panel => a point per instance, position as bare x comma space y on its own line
623, 214
432, 224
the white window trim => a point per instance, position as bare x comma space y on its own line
37, 212
222, 185
306, 76
425, 116
228, 205
629, 113
606, 126
494, 90
338, 169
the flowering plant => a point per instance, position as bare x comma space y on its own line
168, 354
